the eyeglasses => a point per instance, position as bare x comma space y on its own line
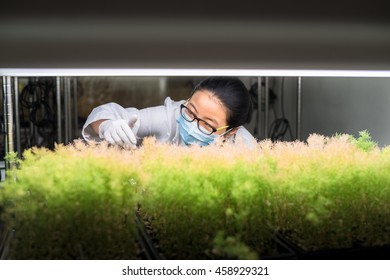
203, 126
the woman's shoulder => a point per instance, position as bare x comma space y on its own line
244, 135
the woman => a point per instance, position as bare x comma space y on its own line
217, 108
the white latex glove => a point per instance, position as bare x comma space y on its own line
119, 132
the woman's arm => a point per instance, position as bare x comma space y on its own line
96, 124
108, 111
158, 121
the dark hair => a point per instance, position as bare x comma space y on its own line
232, 92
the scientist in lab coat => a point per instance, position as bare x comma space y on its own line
217, 109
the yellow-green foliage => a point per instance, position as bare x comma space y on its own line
323, 193
75, 202
331, 192
326, 193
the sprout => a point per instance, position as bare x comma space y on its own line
224, 201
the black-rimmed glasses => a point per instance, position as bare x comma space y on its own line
203, 126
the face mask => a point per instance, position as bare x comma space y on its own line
190, 133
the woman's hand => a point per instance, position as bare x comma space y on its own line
119, 132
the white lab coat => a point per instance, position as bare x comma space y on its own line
159, 121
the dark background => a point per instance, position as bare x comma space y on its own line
196, 34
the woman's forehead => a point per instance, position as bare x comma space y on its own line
205, 98
208, 105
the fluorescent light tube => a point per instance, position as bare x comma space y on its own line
155, 72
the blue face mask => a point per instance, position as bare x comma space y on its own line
190, 133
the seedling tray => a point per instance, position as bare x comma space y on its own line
356, 252
283, 250
145, 241
6, 236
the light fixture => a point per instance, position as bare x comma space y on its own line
165, 72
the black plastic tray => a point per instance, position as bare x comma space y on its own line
6, 235
148, 249
356, 252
